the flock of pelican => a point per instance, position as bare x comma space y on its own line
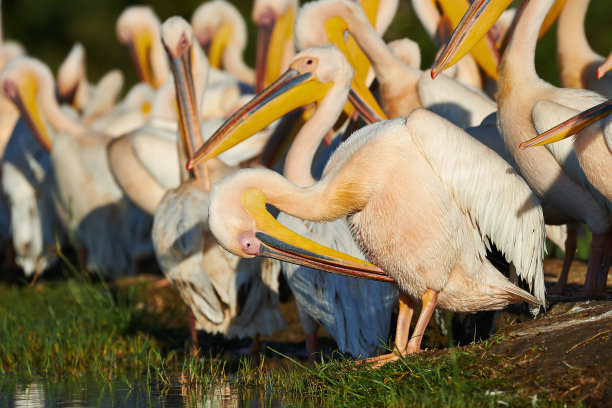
338, 161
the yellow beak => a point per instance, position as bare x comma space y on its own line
478, 19
189, 123
287, 93
335, 29
279, 242
273, 36
551, 16
571, 126
484, 50
476, 22
218, 44
23, 94
140, 50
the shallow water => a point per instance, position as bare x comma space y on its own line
120, 392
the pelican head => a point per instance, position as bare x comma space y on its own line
240, 222
218, 26
275, 20
312, 75
23, 80
328, 22
138, 28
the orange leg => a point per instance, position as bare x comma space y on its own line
597, 250
571, 242
414, 345
194, 334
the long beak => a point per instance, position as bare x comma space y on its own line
551, 17
478, 19
218, 45
292, 90
571, 126
484, 50
605, 67
335, 29
189, 124
23, 94
273, 34
140, 50
279, 242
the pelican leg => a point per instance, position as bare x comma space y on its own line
404, 317
571, 243
195, 345
597, 250
429, 304
606, 263
312, 346
256, 348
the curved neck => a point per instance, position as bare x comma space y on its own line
573, 49
429, 17
298, 163
54, 115
384, 62
518, 60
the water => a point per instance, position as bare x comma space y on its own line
119, 392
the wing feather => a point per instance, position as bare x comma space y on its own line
497, 199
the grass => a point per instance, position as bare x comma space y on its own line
79, 329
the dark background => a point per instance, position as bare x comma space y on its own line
48, 29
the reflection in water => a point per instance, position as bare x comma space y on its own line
31, 395
92, 392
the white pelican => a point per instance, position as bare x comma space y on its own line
225, 294
275, 21
355, 313
112, 231
577, 61
221, 31
423, 213
594, 150
73, 88
28, 184
552, 174
138, 28
402, 88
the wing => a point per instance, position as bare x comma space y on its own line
499, 202
546, 115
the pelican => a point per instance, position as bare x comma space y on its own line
112, 231
433, 22
414, 209
402, 88
27, 184
73, 88
577, 61
552, 174
220, 29
275, 20
224, 293
138, 28
345, 307
594, 150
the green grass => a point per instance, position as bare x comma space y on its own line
61, 330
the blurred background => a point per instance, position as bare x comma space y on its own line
48, 29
